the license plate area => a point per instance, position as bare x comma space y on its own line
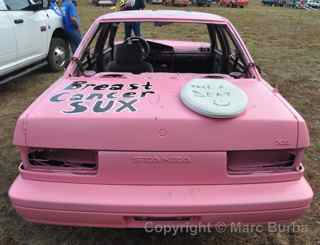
161, 219
162, 168
152, 221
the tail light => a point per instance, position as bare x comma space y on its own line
248, 162
65, 160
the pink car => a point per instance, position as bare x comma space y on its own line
161, 131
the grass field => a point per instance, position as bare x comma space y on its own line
284, 42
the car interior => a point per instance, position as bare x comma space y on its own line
216, 51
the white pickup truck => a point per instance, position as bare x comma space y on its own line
32, 36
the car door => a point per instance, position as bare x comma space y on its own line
30, 28
7, 41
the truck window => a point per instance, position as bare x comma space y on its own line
17, 4
2, 6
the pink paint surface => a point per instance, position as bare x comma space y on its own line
159, 159
140, 131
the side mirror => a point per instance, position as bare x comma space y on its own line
36, 5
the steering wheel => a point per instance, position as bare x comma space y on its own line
144, 45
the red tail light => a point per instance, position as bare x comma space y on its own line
75, 161
248, 162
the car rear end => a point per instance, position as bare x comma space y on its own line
157, 162
128, 189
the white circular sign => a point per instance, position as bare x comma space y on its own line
216, 98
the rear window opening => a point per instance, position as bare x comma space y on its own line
261, 161
205, 49
69, 161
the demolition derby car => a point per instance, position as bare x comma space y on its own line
159, 130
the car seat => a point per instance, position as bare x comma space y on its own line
129, 58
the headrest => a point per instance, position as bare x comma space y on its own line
128, 53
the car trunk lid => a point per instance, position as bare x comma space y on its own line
126, 112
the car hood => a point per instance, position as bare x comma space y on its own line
144, 113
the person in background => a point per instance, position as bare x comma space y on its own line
71, 22
55, 7
132, 26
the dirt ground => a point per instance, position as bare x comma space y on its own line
285, 43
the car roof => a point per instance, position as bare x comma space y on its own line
162, 15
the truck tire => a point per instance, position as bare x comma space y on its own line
59, 54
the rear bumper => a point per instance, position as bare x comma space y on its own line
125, 206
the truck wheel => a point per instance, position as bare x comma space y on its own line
59, 54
